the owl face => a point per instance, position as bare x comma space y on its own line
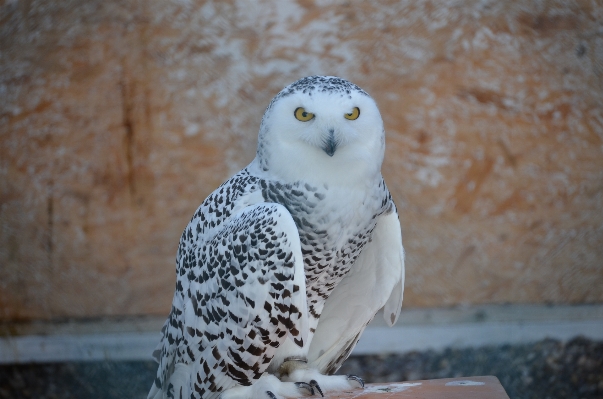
322, 126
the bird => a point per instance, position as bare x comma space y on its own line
281, 268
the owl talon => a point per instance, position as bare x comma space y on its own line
306, 386
360, 381
315, 385
271, 395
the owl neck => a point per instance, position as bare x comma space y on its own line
313, 166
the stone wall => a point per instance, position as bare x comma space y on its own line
117, 118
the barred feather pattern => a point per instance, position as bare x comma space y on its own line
236, 293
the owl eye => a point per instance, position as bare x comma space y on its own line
353, 115
303, 115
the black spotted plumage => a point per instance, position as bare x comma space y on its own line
263, 254
222, 261
211, 291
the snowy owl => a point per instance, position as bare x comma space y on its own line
282, 267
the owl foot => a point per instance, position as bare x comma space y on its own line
269, 387
316, 387
324, 383
308, 387
356, 379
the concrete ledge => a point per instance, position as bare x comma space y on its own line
417, 329
86, 347
408, 338
423, 329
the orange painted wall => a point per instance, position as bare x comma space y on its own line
118, 118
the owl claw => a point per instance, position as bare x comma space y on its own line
315, 385
271, 395
306, 386
360, 381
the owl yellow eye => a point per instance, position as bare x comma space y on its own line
353, 115
303, 115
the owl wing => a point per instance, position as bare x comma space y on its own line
244, 292
375, 280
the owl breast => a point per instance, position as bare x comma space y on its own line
334, 224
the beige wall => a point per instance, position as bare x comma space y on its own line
117, 118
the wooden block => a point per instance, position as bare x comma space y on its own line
447, 388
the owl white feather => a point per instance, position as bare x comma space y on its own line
282, 267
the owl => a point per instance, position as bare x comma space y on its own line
282, 267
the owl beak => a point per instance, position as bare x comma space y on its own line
329, 144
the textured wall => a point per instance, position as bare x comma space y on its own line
117, 118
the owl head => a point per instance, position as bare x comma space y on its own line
321, 129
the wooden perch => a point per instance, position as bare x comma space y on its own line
487, 387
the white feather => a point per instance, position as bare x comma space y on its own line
375, 280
